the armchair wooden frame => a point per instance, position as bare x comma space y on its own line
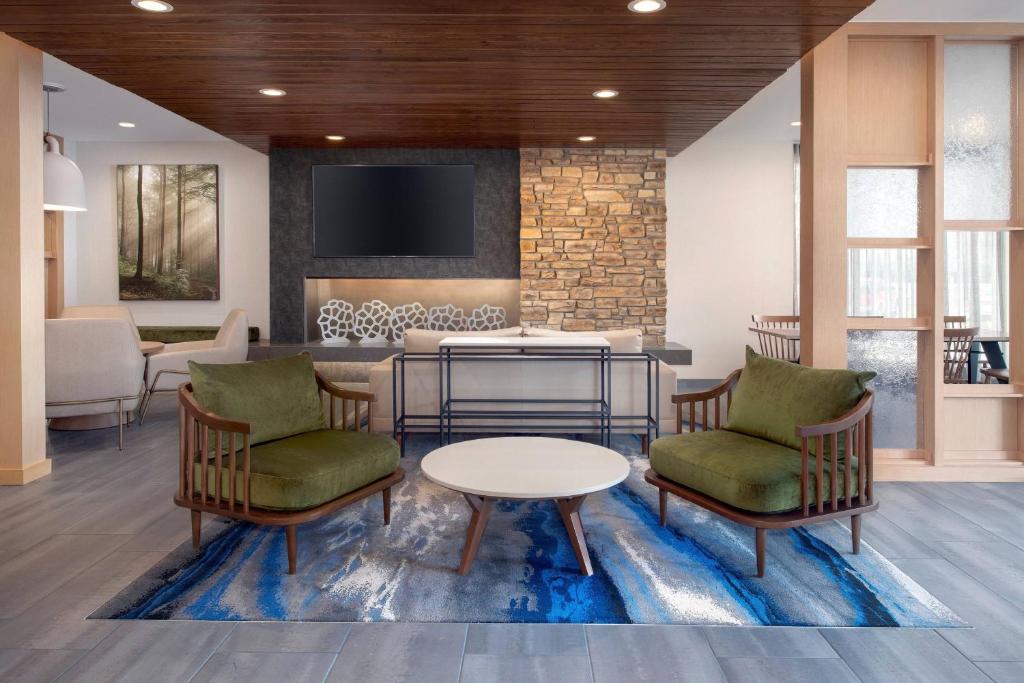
195, 428
855, 424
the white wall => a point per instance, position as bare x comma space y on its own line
244, 231
730, 250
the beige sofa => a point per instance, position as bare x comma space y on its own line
507, 380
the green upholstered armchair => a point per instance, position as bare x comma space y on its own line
794, 447
255, 446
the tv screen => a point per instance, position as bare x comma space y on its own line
393, 211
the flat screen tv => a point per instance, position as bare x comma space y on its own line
387, 210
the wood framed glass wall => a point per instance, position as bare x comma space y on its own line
886, 187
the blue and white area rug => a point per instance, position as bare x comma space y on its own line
698, 570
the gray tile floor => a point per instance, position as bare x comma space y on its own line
71, 541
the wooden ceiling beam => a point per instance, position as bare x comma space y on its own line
436, 72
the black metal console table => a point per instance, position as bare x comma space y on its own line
525, 349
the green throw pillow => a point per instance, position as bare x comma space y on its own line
773, 397
278, 397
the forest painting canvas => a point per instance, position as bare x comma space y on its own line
167, 227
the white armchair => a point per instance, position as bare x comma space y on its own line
93, 367
110, 312
167, 368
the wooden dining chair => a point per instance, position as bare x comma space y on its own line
999, 376
956, 353
954, 321
777, 347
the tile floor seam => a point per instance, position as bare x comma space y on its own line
213, 651
327, 674
69, 577
590, 657
89, 651
995, 593
462, 657
71, 664
978, 579
971, 521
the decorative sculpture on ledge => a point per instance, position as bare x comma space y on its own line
486, 317
405, 317
446, 317
375, 321
336, 320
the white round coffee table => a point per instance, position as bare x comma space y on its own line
525, 468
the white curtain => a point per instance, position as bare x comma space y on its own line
883, 282
977, 278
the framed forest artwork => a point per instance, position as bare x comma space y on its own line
168, 232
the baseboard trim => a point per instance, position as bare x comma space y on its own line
20, 477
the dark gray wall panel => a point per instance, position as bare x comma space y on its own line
291, 226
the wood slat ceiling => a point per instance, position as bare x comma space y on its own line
455, 73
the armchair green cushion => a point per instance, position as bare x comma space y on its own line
773, 397
278, 397
742, 471
307, 470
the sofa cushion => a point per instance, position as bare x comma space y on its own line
178, 334
622, 341
306, 470
739, 470
277, 397
773, 397
426, 341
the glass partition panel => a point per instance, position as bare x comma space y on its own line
882, 202
977, 295
893, 355
882, 283
977, 112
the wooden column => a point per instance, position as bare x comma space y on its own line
22, 379
823, 257
1016, 239
931, 266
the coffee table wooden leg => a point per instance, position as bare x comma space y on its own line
481, 513
570, 511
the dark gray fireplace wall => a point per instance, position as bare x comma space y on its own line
291, 225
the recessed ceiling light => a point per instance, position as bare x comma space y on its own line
126, 124
153, 5
272, 92
586, 138
335, 138
646, 6
606, 94
794, 123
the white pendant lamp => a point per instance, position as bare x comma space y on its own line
63, 184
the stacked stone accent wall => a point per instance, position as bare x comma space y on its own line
592, 240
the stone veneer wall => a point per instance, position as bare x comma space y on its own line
592, 239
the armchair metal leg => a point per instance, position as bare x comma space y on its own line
120, 424
145, 405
